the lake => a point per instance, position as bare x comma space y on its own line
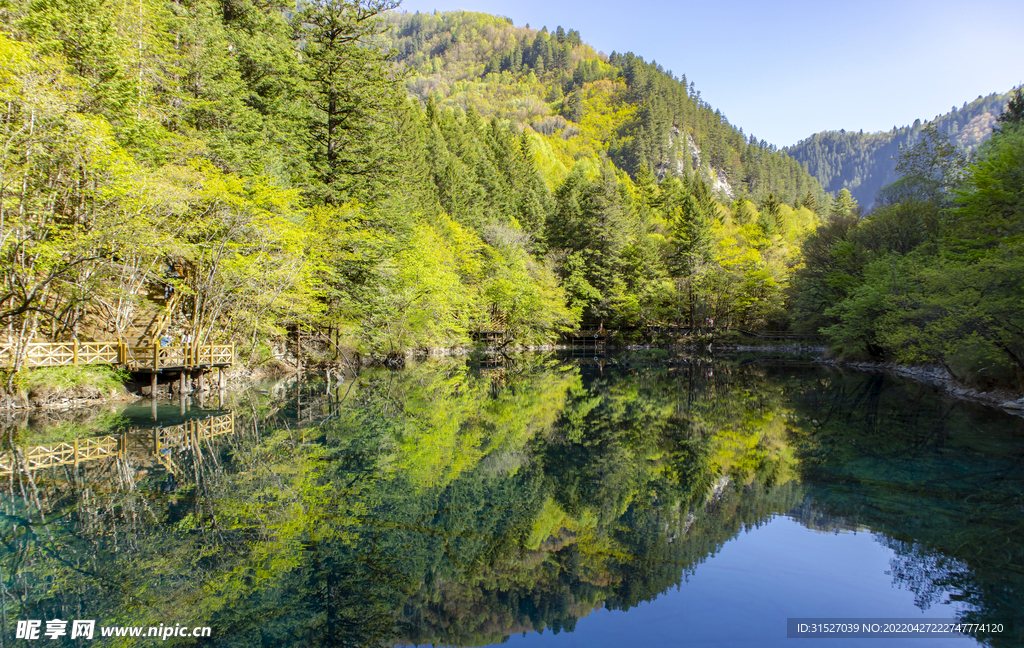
639, 499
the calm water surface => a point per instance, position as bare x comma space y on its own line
638, 500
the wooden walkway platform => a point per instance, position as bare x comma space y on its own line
159, 442
590, 339
587, 342
146, 359
491, 338
785, 336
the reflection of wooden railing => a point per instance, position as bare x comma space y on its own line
156, 441
56, 354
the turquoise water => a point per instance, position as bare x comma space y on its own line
643, 499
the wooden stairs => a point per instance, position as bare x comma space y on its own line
149, 323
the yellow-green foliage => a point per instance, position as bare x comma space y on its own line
524, 193
448, 423
467, 59
431, 303
605, 112
548, 163
134, 214
263, 514
447, 282
752, 270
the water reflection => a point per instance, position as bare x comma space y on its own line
940, 482
457, 503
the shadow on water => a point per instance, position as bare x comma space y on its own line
457, 503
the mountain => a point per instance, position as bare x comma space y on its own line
585, 105
863, 162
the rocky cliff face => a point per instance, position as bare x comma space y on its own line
678, 163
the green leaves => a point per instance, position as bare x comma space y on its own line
352, 96
934, 161
990, 211
844, 203
917, 283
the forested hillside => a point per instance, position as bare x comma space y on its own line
588, 105
865, 162
270, 171
935, 274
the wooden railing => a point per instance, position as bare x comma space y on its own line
56, 354
784, 336
155, 441
157, 357
152, 358
192, 432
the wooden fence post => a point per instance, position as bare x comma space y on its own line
74, 358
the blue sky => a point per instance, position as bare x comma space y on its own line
787, 69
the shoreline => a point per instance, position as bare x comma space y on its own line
1004, 399
70, 403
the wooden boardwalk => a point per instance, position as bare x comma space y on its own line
587, 341
161, 442
148, 359
491, 338
785, 336
597, 339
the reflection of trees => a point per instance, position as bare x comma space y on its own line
818, 519
435, 505
625, 476
661, 560
930, 575
941, 484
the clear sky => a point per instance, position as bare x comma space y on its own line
784, 70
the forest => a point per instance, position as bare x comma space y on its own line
933, 275
301, 187
393, 182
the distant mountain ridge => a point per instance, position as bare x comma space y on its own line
863, 162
